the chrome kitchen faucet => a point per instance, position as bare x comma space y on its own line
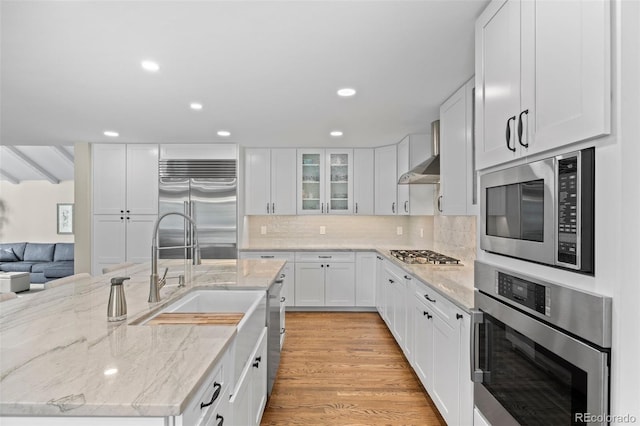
156, 284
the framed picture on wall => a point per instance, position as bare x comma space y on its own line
65, 218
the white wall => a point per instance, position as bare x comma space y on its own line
30, 211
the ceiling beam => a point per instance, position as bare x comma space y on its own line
35, 166
64, 153
8, 177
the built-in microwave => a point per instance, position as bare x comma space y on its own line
542, 211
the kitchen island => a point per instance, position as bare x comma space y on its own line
59, 356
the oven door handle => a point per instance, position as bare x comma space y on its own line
477, 320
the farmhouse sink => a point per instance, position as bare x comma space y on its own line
251, 303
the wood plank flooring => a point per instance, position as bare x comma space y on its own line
345, 369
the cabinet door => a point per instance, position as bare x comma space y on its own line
259, 381
109, 235
142, 179
363, 181
386, 180
380, 285
241, 400
497, 82
402, 162
309, 287
446, 353
422, 342
453, 154
258, 181
311, 182
366, 265
340, 284
283, 181
566, 71
339, 185
399, 320
109, 178
139, 236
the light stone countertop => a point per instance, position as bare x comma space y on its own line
55, 346
455, 282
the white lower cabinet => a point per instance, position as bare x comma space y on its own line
288, 284
325, 279
366, 279
441, 354
249, 397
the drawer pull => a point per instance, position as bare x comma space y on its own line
426, 296
458, 316
216, 393
407, 277
324, 257
391, 281
279, 281
282, 299
379, 258
219, 419
429, 316
266, 257
282, 330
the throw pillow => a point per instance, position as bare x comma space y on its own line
7, 255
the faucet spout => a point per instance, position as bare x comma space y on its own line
156, 283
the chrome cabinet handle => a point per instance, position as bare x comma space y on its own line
525, 112
218, 387
405, 207
477, 318
508, 133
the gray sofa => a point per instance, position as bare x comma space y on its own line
44, 261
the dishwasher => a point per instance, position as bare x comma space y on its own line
273, 331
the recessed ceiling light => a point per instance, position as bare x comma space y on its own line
336, 133
224, 133
346, 92
111, 134
196, 106
150, 66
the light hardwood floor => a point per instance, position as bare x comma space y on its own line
345, 369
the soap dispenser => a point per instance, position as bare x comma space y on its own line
117, 308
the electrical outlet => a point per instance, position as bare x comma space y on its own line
399, 230
323, 230
263, 230
421, 232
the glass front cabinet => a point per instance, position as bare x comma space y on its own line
325, 181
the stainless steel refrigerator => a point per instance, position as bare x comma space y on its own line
205, 190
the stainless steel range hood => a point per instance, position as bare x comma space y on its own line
427, 171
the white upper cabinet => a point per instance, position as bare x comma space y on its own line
414, 199
125, 179
270, 181
543, 76
325, 181
456, 153
402, 162
386, 180
363, 178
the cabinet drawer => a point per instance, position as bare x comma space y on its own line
436, 302
332, 257
209, 395
280, 255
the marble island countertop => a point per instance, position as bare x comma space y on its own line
59, 356
455, 282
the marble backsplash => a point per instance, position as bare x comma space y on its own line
455, 236
340, 229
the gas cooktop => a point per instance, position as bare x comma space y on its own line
424, 257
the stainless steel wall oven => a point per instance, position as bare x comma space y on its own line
540, 351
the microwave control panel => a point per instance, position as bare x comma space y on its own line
568, 206
534, 296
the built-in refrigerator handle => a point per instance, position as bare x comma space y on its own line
477, 320
187, 227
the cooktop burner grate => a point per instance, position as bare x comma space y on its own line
424, 257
